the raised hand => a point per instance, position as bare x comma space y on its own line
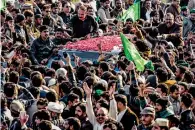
87, 90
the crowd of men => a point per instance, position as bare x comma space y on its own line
108, 93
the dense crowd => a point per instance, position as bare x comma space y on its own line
108, 93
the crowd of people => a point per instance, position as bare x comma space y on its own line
108, 93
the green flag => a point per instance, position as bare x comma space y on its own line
132, 12
132, 54
2, 4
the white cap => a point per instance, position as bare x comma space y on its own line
52, 82
162, 122
55, 107
61, 72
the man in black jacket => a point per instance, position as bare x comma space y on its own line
126, 116
82, 24
42, 47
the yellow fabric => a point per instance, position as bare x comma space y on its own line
169, 83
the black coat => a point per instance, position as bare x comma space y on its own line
128, 119
187, 118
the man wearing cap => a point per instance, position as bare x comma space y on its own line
147, 118
161, 124
189, 23
184, 11
42, 47
55, 110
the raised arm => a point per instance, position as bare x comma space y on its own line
89, 107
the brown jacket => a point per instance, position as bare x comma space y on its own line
172, 9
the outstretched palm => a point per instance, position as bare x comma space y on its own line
86, 88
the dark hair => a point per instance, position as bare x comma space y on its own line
56, 65
34, 91
65, 87
72, 96
121, 98
103, 103
174, 120
111, 126
82, 106
51, 96
163, 87
185, 85
28, 13
104, 66
42, 101
45, 125
188, 77
90, 81
100, 86
50, 72
163, 102
133, 89
10, 89
26, 72
75, 122
173, 88
187, 99
43, 115
37, 80
79, 91
42, 70
192, 91
106, 75
182, 69
153, 97
121, 65
162, 74
81, 71
14, 77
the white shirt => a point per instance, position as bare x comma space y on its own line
120, 115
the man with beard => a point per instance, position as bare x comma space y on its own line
80, 113
102, 114
104, 12
43, 115
161, 108
171, 31
66, 13
55, 110
146, 10
180, 71
82, 24
58, 19
32, 31
38, 20
42, 47
118, 11
174, 98
147, 118
59, 37
128, 27
174, 8
72, 123
126, 116
47, 18
189, 23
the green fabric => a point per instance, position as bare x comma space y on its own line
99, 92
2, 4
164, 114
132, 54
132, 12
